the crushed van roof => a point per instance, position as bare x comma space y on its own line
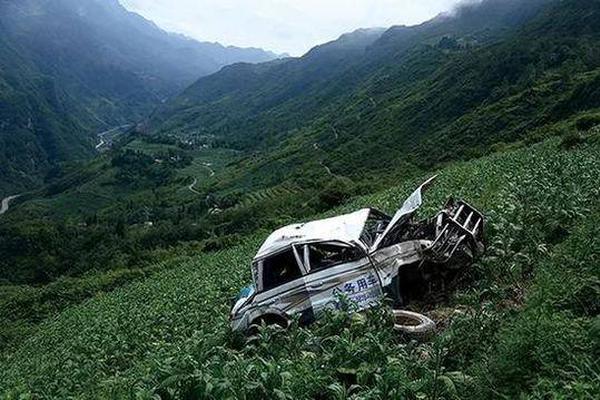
346, 228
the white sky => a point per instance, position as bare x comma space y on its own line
282, 26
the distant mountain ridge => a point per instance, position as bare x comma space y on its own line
95, 65
406, 98
113, 53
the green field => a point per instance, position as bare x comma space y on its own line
523, 325
94, 189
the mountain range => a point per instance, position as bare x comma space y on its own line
408, 98
349, 117
255, 145
118, 267
71, 68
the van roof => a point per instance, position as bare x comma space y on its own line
345, 228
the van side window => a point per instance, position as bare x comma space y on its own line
280, 269
325, 255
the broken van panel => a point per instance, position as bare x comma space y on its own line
302, 269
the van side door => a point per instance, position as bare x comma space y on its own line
280, 284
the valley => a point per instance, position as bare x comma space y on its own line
69, 69
151, 171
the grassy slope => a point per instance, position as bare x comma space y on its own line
407, 98
92, 189
64, 219
525, 325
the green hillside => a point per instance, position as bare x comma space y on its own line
523, 324
117, 272
410, 98
258, 146
35, 131
70, 69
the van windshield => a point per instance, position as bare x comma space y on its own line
374, 227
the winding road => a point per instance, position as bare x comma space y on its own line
210, 170
211, 173
6, 203
327, 168
191, 187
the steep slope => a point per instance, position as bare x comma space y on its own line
336, 69
105, 54
523, 323
415, 97
383, 109
36, 130
233, 103
242, 98
97, 66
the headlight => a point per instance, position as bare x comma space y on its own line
246, 292
245, 295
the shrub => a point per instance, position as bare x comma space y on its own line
572, 139
587, 122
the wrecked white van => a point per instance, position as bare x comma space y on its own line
357, 258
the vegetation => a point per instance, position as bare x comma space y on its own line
72, 68
415, 97
104, 222
524, 324
117, 274
186, 187
140, 197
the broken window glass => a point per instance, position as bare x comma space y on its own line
326, 255
374, 226
280, 269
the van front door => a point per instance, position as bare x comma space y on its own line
281, 287
339, 272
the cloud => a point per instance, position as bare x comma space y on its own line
292, 26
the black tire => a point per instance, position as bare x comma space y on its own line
268, 320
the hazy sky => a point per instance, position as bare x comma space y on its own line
292, 26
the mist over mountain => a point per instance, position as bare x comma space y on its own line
407, 95
80, 66
101, 45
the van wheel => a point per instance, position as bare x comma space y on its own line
412, 323
267, 320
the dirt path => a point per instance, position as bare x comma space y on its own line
322, 163
6, 203
211, 173
335, 132
327, 169
208, 167
191, 187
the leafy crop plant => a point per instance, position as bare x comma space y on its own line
524, 325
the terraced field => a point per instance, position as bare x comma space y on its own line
524, 324
260, 196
